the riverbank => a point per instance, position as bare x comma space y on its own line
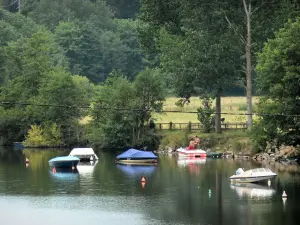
283, 154
233, 141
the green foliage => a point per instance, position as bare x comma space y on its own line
122, 110
27, 61
206, 115
124, 8
50, 13
49, 136
15, 26
12, 127
278, 76
174, 139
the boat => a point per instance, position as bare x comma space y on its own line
84, 154
134, 156
253, 175
253, 190
191, 153
64, 162
214, 154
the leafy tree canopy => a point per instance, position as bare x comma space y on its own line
278, 76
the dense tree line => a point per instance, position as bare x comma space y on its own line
55, 59
205, 47
61, 61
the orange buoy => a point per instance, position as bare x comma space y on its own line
73, 167
143, 180
27, 160
54, 170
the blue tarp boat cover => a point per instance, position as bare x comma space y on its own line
136, 154
136, 170
64, 158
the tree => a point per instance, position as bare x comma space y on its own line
261, 19
207, 59
50, 13
123, 110
278, 77
124, 8
14, 26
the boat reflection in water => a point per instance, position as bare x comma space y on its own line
192, 163
137, 170
252, 190
64, 174
86, 168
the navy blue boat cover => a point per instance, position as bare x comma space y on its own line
136, 154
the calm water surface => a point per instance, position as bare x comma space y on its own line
176, 192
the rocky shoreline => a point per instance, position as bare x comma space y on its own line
284, 154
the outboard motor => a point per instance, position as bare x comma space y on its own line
239, 171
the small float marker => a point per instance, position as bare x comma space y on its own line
73, 167
284, 195
143, 180
269, 183
27, 160
54, 170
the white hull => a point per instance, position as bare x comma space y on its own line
250, 179
182, 152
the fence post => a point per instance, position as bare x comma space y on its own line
190, 126
171, 125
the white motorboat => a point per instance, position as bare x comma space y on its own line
253, 175
191, 153
84, 154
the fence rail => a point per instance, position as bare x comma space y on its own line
198, 126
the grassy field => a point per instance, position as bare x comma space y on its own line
228, 105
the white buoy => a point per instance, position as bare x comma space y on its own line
284, 195
269, 183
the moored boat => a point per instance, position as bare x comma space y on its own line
134, 156
84, 154
191, 153
253, 175
64, 162
214, 154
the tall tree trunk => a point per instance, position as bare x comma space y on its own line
249, 64
218, 113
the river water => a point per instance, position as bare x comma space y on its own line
175, 192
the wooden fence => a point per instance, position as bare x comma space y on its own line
198, 126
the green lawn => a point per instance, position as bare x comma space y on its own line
228, 105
